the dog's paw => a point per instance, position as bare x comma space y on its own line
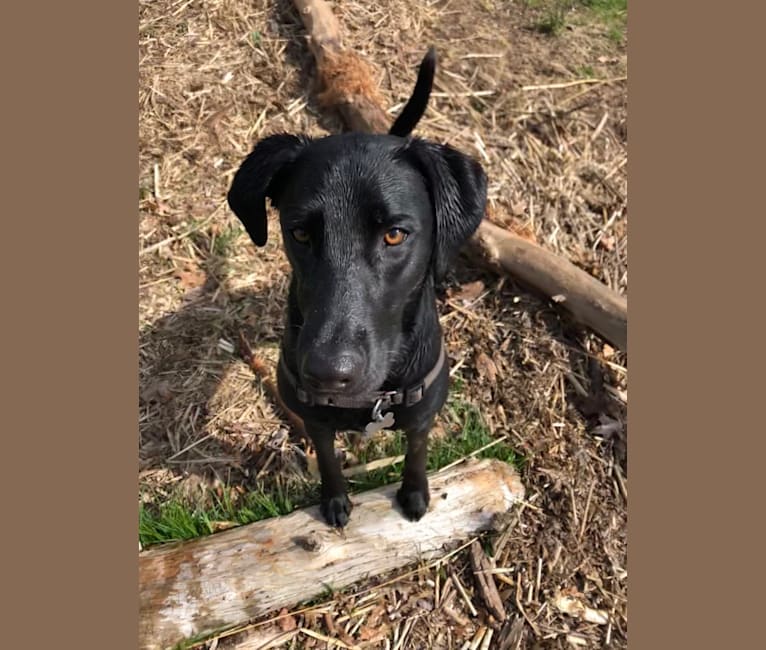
336, 510
413, 501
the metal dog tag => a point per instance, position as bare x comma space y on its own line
379, 421
384, 422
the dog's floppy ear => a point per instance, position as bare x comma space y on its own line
458, 189
258, 178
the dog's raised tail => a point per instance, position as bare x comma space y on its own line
417, 103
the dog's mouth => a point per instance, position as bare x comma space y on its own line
362, 396
354, 389
331, 383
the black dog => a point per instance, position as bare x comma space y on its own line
369, 223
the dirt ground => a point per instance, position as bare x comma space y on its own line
216, 75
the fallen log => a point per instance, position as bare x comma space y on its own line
589, 301
348, 86
225, 580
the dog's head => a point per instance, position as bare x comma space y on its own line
367, 222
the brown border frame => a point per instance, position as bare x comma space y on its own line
70, 315
70, 325
691, 582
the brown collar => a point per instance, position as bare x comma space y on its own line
379, 399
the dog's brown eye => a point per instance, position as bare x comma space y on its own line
300, 235
394, 237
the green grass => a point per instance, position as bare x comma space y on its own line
612, 13
179, 519
224, 239
555, 15
553, 19
197, 639
473, 434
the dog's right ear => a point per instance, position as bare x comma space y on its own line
258, 178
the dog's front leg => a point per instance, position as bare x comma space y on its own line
335, 504
413, 496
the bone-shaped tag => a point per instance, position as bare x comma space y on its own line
385, 422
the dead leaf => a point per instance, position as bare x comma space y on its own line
193, 485
461, 620
607, 243
159, 391
518, 208
486, 367
161, 208
312, 465
469, 291
576, 640
574, 607
525, 232
191, 277
501, 415
367, 633
286, 621
437, 431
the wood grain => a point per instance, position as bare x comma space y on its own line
217, 582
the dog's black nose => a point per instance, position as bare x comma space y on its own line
335, 373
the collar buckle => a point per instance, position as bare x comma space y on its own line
414, 395
384, 401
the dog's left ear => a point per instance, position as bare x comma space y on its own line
258, 178
458, 188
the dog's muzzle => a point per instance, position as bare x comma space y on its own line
379, 399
